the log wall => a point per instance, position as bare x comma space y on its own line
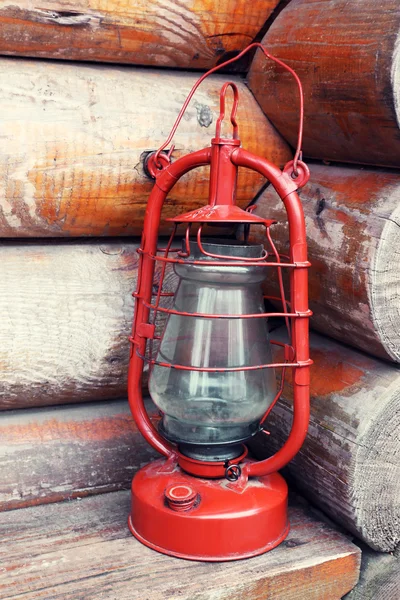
67, 312
163, 33
59, 453
379, 577
347, 56
352, 222
74, 138
349, 463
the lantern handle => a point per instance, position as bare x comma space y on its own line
297, 155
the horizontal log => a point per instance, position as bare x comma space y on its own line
379, 577
60, 453
74, 138
348, 465
67, 311
348, 60
85, 550
163, 33
352, 220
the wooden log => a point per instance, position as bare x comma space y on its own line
173, 34
67, 311
349, 464
74, 139
352, 219
347, 57
85, 550
59, 453
379, 577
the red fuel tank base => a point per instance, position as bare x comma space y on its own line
207, 519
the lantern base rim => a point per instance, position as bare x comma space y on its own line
227, 520
161, 550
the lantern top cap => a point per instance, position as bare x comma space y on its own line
221, 213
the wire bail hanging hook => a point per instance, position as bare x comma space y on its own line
296, 158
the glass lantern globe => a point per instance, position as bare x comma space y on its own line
209, 413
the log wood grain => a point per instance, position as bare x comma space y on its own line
347, 55
353, 233
59, 453
379, 577
74, 138
185, 34
349, 465
84, 550
66, 314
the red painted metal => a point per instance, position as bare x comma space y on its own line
215, 498
220, 214
221, 525
211, 470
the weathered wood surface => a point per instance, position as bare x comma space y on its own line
85, 550
157, 33
66, 314
59, 453
346, 54
74, 138
352, 221
379, 577
349, 465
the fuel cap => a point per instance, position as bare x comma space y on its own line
181, 496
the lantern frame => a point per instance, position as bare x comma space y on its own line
183, 514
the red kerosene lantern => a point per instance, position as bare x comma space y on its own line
212, 376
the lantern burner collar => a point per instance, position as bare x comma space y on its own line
214, 453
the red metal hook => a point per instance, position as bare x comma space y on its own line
222, 96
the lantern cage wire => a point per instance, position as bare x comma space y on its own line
171, 254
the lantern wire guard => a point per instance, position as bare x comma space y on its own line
227, 507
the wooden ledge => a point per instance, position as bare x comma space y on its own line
82, 549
